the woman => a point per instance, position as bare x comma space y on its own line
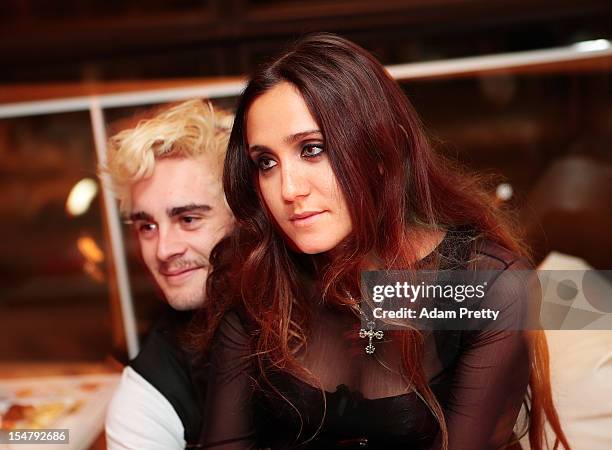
328, 173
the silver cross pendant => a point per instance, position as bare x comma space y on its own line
370, 333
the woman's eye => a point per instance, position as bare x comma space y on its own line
265, 163
312, 150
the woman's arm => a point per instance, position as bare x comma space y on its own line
492, 375
229, 422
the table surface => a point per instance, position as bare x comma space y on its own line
27, 369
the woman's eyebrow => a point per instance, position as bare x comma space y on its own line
289, 140
258, 149
293, 138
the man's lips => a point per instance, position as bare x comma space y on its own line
178, 272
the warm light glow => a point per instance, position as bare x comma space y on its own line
90, 250
93, 271
592, 46
80, 197
504, 192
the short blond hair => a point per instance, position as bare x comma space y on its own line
185, 130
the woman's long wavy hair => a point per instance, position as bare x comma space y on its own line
393, 184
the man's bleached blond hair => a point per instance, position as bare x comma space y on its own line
185, 130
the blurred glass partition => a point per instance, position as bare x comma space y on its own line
54, 287
545, 136
65, 292
540, 120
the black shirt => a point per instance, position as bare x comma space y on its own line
479, 378
164, 364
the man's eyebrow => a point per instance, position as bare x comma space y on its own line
192, 207
140, 215
291, 139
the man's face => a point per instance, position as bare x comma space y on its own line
179, 215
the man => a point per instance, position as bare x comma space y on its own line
166, 174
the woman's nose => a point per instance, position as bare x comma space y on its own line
294, 183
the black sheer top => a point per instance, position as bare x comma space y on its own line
479, 378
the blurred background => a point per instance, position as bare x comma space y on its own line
544, 129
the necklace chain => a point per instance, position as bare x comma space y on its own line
369, 332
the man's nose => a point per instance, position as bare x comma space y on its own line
294, 183
169, 244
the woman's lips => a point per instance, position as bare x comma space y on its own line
305, 218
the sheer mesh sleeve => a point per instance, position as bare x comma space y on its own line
229, 424
490, 381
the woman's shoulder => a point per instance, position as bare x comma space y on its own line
464, 248
490, 255
233, 328
512, 289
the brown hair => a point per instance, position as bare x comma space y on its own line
392, 181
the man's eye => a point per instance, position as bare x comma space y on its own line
265, 163
190, 221
146, 228
312, 150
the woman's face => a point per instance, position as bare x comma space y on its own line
296, 180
